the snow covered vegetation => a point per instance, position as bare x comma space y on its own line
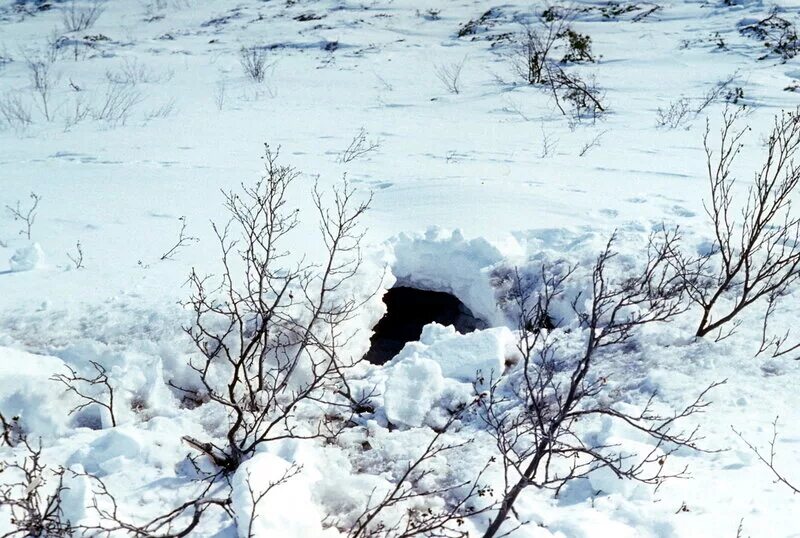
395, 268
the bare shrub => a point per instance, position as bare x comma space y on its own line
579, 47
116, 104
77, 257
95, 390
219, 94
78, 112
775, 345
26, 216
769, 460
374, 521
593, 143
178, 522
533, 413
533, 60
549, 144
254, 62
756, 249
675, 115
255, 330
533, 46
134, 72
682, 111
43, 80
183, 240
14, 112
79, 17
161, 112
721, 91
450, 75
777, 33
584, 96
33, 497
359, 147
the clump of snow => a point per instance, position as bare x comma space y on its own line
286, 510
27, 391
112, 451
464, 357
27, 258
414, 385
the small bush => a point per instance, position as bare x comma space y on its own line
579, 47
78, 19
254, 62
533, 60
778, 34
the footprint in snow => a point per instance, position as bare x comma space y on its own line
681, 211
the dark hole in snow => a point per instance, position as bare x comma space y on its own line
410, 309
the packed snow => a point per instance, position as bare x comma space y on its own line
149, 117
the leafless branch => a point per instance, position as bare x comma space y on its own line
183, 240
85, 388
756, 250
359, 147
450, 75
27, 216
34, 498
769, 460
77, 258
260, 326
78, 19
447, 522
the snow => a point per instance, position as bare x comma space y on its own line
27, 258
464, 357
287, 510
414, 385
467, 189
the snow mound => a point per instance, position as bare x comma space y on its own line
27, 258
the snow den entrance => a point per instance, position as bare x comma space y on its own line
408, 311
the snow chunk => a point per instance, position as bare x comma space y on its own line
414, 385
462, 356
27, 258
112, 451
27, 391
287, 510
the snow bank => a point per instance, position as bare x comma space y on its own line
442, 261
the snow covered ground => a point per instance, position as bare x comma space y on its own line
464, 186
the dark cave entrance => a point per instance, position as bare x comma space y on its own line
410, 309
